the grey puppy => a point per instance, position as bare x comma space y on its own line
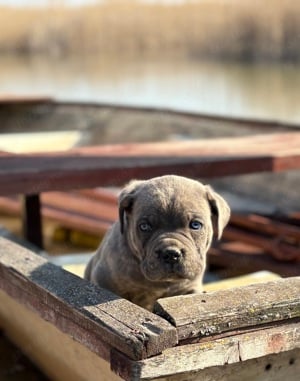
158, 247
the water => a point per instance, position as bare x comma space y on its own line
263, 90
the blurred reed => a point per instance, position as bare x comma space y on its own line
227, 29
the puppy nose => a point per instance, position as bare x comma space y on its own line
171, 256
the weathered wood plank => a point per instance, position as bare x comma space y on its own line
81, 205
265, 224
200, 315
278, 367
67, 217
116, 164
192, 358
279, 248
247, 259
29, 177
91, 315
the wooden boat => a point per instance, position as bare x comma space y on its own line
77, 331
249, 240
107, 123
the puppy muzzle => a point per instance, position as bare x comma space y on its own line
171, 258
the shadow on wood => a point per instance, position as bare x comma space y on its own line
74, 329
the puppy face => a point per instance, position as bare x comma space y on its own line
169, 223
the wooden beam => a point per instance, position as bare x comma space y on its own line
93, 316
139, 345
247, 259
82, 205
94, 224
278, 247
62, 358
200, 315
116, 164
193, 361
264, 224
24, 175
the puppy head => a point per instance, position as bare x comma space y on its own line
169, 223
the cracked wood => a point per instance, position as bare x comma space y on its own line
93, 316
206, 314
192, 358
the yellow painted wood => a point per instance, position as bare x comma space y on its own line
56, 353
38, 141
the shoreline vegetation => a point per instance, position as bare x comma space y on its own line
220, 29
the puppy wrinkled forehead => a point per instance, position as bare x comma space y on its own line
171, 193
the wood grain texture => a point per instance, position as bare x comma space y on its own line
278, 367
200, 315
93, 316
138, 344
189, 359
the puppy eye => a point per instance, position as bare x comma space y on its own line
195, 225
145, 227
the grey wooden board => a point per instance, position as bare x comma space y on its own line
91, 315
206, 314
191, 358
276, 367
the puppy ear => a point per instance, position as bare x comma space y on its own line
126, 199
220, 210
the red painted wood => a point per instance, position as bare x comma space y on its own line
116, 164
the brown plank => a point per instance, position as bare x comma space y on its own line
71, 211
291, 218
247, 259
82, 223
29, 177
278, 248
201, 315
189, 360
93, 316
265, 225
101, 194
114, 165
82, 205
